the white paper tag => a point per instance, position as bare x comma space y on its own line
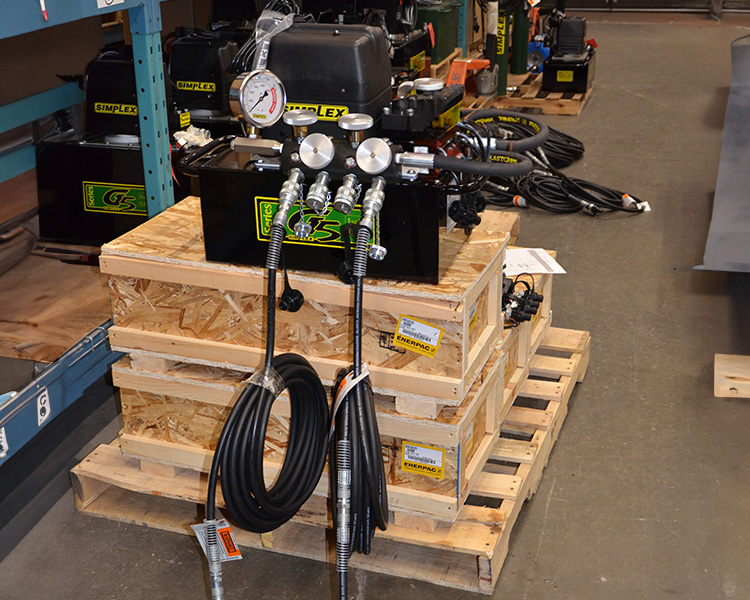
644, 206
43, 407
535, 261
228, 548
4, 448
417, 330
107, 3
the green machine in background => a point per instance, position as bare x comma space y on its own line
444, 19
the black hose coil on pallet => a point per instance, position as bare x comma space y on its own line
239, 452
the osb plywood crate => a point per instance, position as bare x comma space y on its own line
176, 416
466, 554
168, 300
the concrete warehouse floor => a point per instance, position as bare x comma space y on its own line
647, 491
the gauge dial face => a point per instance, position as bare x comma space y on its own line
260, 97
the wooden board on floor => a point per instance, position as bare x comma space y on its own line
466, 554
46, 306
731, 376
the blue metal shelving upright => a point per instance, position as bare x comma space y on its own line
63, 382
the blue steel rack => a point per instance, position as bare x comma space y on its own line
22, 416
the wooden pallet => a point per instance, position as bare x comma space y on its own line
466, 554
441, 69
529, 95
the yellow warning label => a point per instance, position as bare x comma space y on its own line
326, 112
417, 62
115, 109
184, 120
473, 316
566, 76
449, 118
196, 86
423, 460
418, 336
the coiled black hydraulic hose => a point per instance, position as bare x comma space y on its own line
538, 132
239, 452
355, 448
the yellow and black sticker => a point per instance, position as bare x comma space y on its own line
565, 76
196, 86
502, 29
184, 120
449, 118
473, 316
121, 198
326, 112
326, 231
423, 460
417, 62
417, 335
115, 109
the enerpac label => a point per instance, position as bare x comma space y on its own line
115, 109
326, 112
326, 228
424, 460
418, 336
565, 76
473, 316
196, 86
114, 198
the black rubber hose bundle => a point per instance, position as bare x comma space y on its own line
239, 452
241, 449
355, 423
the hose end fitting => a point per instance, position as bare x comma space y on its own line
215, 577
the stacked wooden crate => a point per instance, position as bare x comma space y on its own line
193, 335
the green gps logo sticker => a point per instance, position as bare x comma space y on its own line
114, 198
326, 228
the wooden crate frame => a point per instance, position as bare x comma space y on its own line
467, 554
175, 417
166, 255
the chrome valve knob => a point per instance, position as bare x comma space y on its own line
300, 119
355, 125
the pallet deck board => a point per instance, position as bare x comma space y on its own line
528, 94
466, 554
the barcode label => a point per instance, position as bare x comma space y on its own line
417, 335
424, 460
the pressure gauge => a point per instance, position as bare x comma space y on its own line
258, 97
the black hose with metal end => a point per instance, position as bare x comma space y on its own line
358, 491
239, 453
